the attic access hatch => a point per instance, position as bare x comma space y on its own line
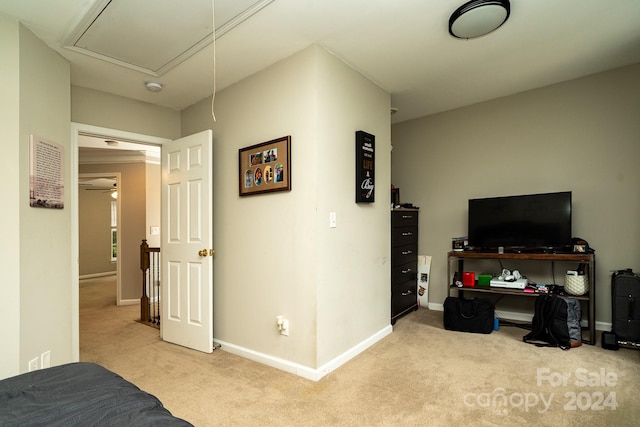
154, 36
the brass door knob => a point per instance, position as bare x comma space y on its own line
206, 252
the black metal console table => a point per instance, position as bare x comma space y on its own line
587, 258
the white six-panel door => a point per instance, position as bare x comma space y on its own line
186, 245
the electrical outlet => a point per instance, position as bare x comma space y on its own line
283, 325
333, 220
33, 364
45, 359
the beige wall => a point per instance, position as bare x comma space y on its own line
94, 224
36, 297
582, 136
45, 292
152, 196
97, 108
275, 254
131, 195
353, 260
10, 361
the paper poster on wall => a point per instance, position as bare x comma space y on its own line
46, 184
424, 270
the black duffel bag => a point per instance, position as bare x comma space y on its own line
468, 315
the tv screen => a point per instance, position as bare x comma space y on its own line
527, 221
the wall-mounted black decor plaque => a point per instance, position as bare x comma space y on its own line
365, 167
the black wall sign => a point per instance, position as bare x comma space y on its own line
365, 167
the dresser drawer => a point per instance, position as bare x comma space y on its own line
404, 219
404, 254
404, 262
403, 297
401, 236
404, 272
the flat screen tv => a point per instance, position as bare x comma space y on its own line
532, 221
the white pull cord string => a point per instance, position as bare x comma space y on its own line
213, 18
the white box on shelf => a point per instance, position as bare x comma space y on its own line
424, 270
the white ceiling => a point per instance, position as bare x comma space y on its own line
98, 150
401, 45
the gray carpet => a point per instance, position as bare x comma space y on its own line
419, 375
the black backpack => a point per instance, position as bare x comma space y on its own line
556, 323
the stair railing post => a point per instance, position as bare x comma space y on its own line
144, 266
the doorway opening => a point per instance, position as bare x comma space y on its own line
98, 229
124, 149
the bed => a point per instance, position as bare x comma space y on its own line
81, 393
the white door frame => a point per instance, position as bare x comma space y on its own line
76, 130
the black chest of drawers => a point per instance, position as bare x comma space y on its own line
404, 262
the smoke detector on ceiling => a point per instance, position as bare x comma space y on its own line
153, 86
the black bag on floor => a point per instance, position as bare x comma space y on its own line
625, 300
556, 323
468, 315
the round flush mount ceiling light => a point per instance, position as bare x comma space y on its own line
478, 17
153, 86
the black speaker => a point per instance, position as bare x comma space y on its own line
609, 341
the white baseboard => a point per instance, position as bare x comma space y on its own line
94, 275
301, 370
604, 326
129, 302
